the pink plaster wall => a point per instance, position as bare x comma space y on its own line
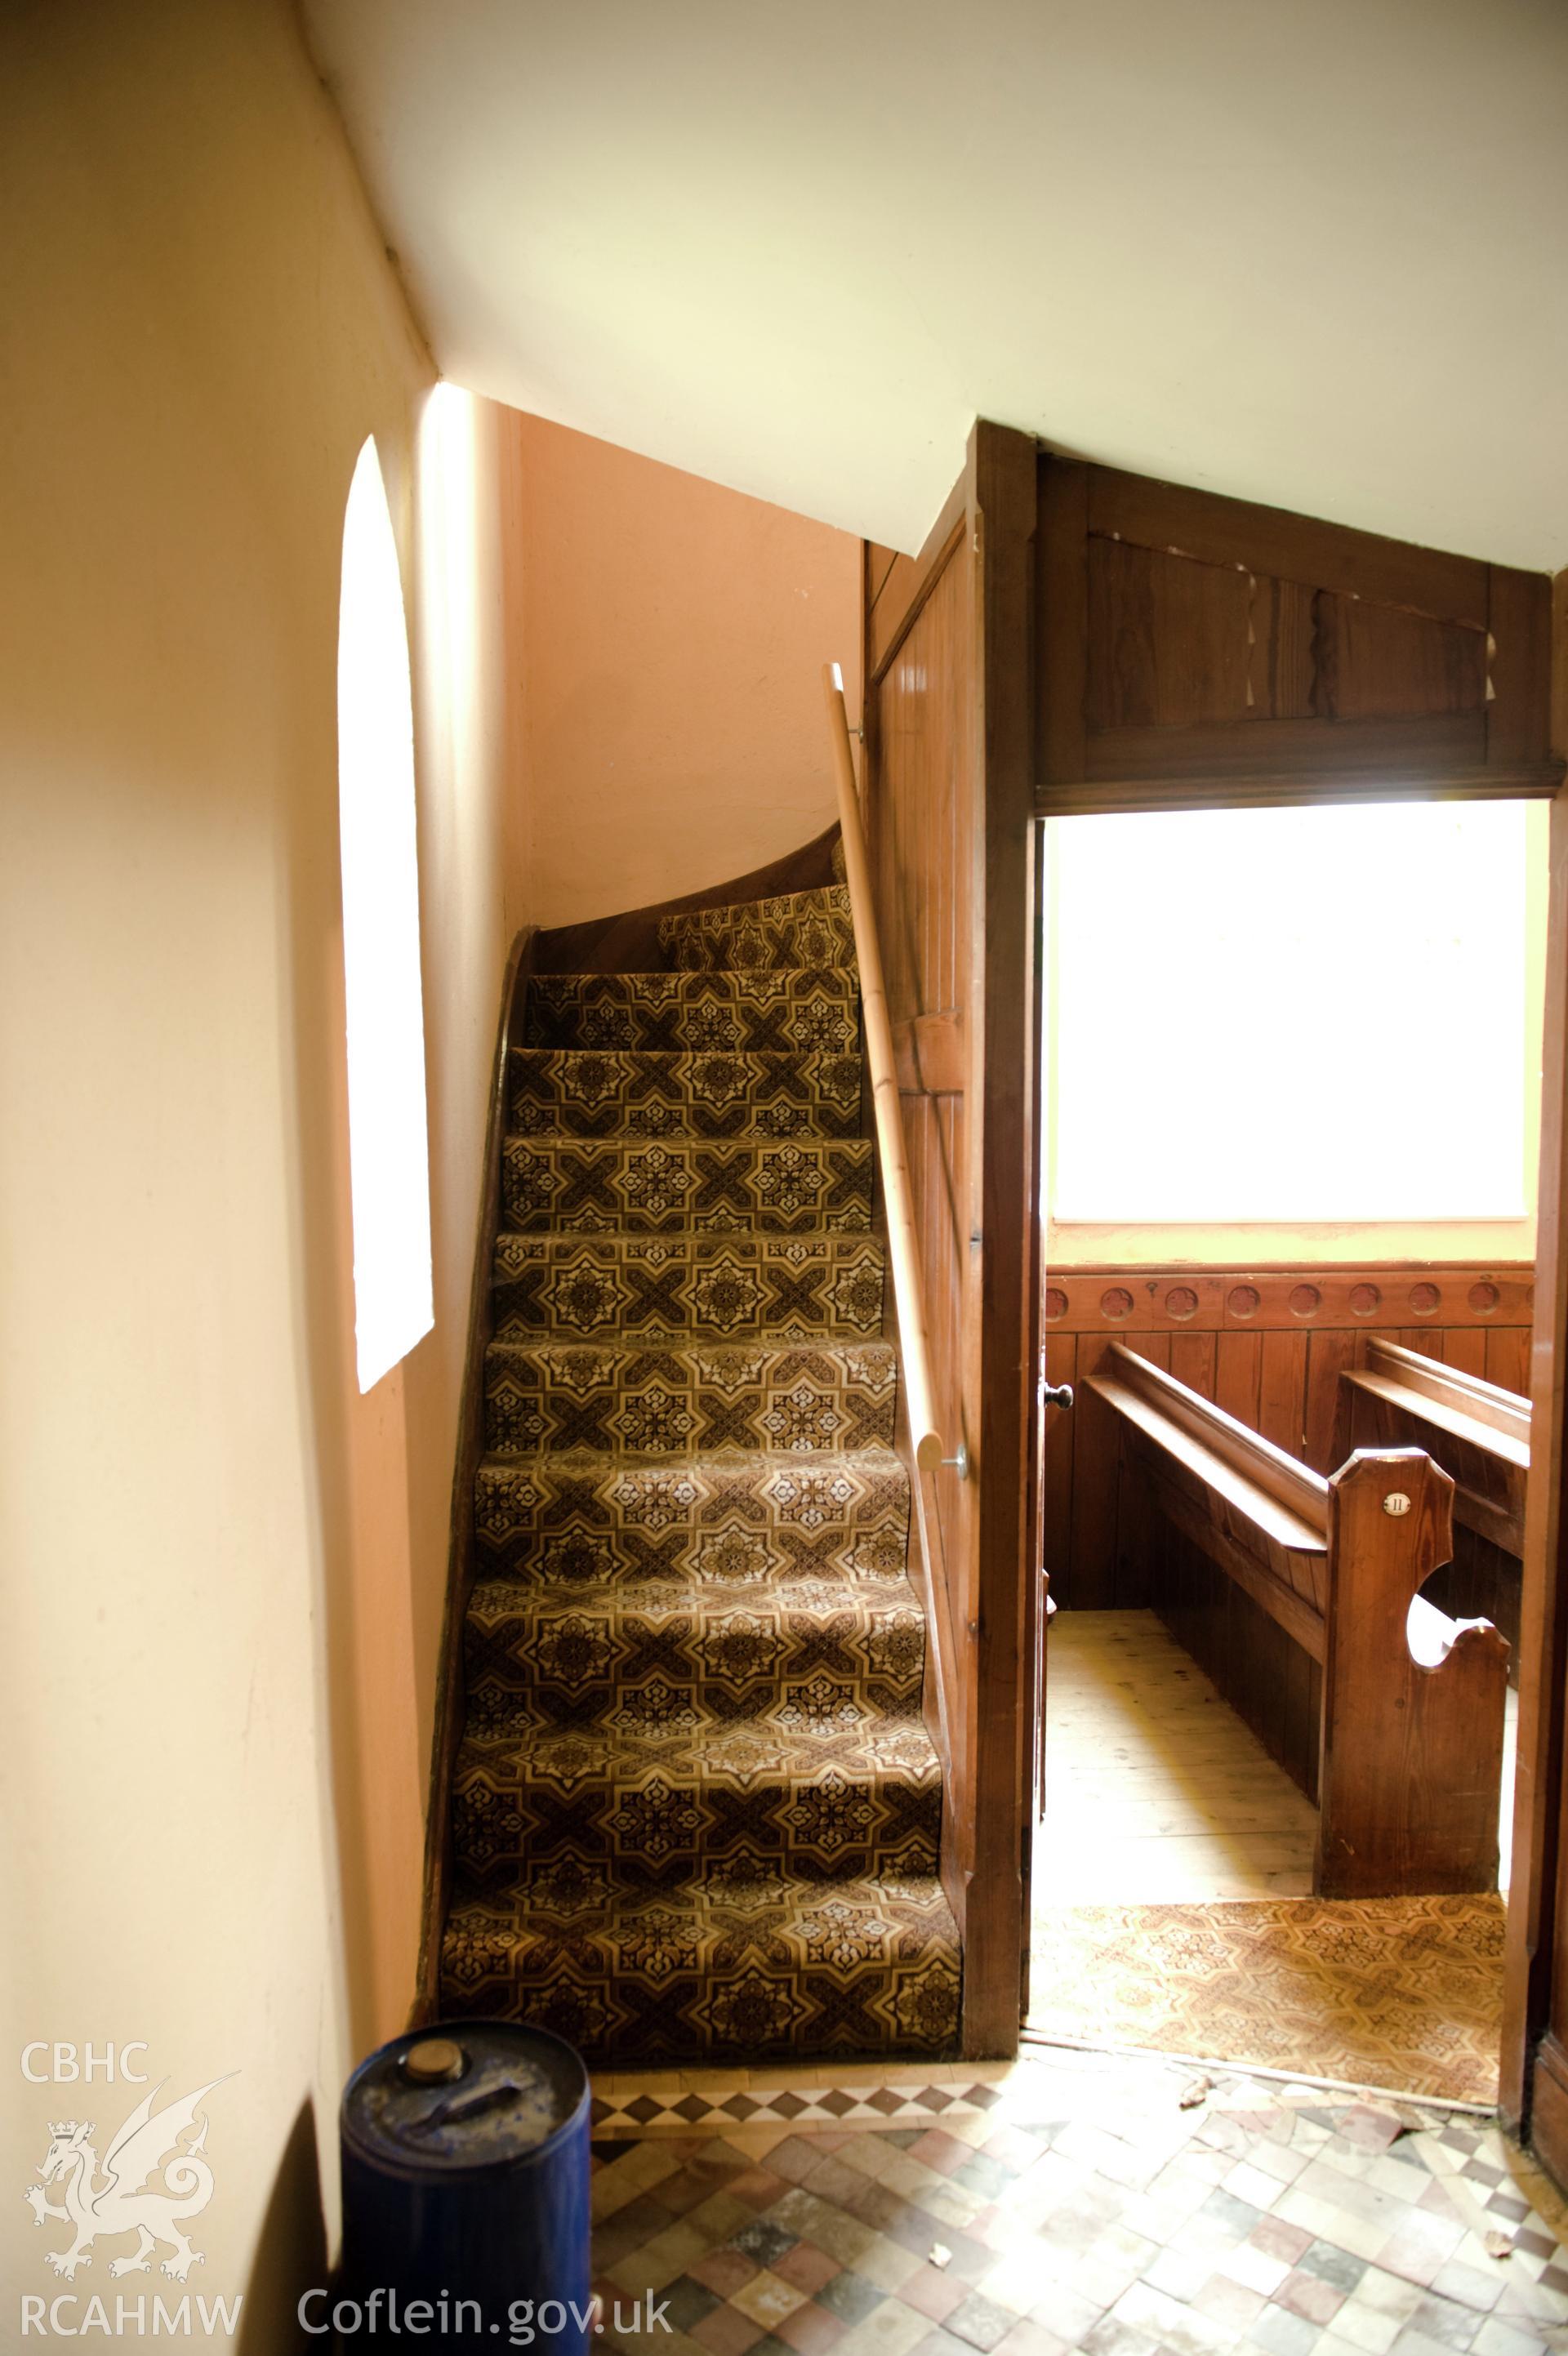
671, 636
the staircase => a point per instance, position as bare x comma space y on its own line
696, 1811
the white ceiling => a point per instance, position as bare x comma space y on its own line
1311, 251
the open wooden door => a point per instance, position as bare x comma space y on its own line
1535, 2094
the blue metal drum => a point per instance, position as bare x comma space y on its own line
465, 2158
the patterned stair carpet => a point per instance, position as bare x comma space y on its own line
696, 1811
1398, 1993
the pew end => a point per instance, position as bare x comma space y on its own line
1413, 1736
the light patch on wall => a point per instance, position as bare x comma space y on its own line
449, 557
389, 1147
1291, 1016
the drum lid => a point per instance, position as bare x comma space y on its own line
465, 2095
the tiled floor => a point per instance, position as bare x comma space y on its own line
1069, 2202
1156, 1792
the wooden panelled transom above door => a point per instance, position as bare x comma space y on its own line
1194, 641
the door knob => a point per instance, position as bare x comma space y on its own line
1056, 1394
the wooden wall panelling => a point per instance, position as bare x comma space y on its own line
1508, 1359
1465, 1346
1328, 1356
1132, 1567
1238, 1362
911, 579
918, 737
1239, 533
1080, 1552
1282, 1390
1519, 717
1062, 555
949, 768
1203, 649
1432, 748
918, 729
1376, 1297
1192, 1361
1266, 1345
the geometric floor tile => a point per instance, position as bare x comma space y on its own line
1069, 2202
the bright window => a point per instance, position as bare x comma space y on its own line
388, 1145
1290, 1015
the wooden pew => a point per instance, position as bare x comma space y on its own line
1407, 1761
1480, 1435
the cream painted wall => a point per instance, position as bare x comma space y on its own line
222, 1568
672, 639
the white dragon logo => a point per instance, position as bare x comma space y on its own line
122, 2204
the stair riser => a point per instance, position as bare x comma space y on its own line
660, 1993
659, 1832
693, 1288
712, 1096
705, 1523
664, 1186
694, 1012
662, 1402
803, 929
527, 1660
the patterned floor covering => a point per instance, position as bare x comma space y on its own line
696, 1811
1071, 2202
1403, 1993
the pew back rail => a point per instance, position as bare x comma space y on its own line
1478, 1432
1409, 1741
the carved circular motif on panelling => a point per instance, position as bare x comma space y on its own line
1243, 1301
1116, 1303
1364, 1298
1056, 1301
1483, 1298
1306, 1301
1181, 1301
1425, 1299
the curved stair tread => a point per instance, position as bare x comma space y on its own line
697, 1008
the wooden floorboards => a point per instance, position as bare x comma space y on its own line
1156, 1793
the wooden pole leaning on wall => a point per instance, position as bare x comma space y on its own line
903, 1242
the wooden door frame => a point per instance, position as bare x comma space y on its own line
1016, 507
1533, 2093
1533, 2072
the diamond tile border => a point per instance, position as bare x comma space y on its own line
673, 2108
1073, 2200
